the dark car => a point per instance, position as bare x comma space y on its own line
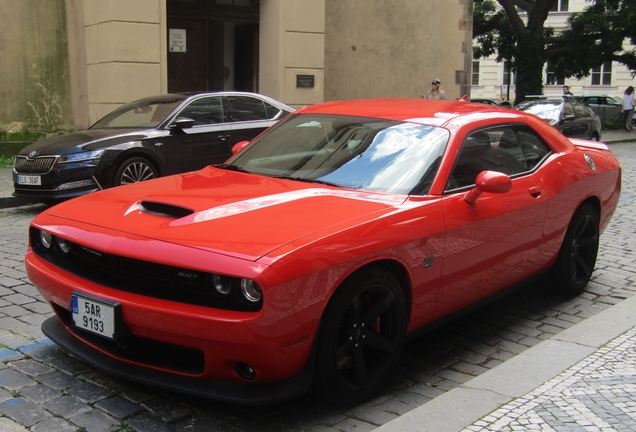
573, 117
143, 139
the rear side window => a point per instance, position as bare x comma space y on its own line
243, 108
512, 150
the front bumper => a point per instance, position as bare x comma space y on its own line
233, 392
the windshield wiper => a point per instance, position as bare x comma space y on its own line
232, 168
310, 180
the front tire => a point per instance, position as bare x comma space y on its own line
133, 170
577, 257
361, 337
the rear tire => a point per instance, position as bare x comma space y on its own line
577, 257
361, 337
134, 170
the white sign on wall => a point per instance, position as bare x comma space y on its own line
177, 40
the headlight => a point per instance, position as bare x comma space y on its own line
222, 284
251, 291
63, 245
46, 239
82, 156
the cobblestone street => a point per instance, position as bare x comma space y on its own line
42, 389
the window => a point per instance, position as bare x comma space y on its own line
204, 111
602, 75
560, 6
551, 77
242, 108
510, 150
475, 80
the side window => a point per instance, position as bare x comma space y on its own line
244, 108
593, 100
508, 149
568, 109
204, 111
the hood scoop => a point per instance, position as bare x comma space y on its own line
164, 210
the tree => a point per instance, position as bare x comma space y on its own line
597, 35
501, 31
594, 36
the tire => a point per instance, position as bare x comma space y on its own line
133, 170
361, 337
577, 257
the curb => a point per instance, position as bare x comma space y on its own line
11, 201
475, 399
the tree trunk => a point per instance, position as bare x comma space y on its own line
528, 65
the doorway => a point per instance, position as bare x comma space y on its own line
212, 45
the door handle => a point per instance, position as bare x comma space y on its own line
535, 191
223, 137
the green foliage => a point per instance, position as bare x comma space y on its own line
597, 35
21, 136
6, 162
47, 108
610, 124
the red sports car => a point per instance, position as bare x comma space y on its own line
313, 253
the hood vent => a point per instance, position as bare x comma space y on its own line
164, 210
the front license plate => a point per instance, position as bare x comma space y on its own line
30, 180
93, 316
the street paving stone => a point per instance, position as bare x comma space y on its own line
48, 390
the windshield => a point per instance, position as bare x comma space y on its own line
352, 152
138, 114
547, 110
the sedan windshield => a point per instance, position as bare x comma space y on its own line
547, 110
352, 152
138, 114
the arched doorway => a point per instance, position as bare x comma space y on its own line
212, 45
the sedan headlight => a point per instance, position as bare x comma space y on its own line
81, 157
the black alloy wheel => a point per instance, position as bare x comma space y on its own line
133, 170
361, 337
577, 258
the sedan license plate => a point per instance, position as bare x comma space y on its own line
93, 316
30, 180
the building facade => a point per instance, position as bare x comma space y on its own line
490, 79
94, 55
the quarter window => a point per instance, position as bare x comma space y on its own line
512, 150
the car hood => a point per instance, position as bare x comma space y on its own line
236, 214
86, 140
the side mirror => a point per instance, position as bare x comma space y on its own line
488, 181
239, 146
182, 123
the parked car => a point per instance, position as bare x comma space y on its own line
143, 139
314, 253
605, 106
570, 115
499, 102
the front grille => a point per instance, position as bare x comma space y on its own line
142, 350
39, 165
145, 278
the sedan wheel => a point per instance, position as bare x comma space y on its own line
577, 257
134, 170
361, 337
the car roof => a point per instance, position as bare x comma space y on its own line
175, 97
433, 112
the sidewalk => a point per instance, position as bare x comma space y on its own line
584, 378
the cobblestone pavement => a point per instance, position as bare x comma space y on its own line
596, 394
44, 389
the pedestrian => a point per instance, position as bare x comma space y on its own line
628, 107
436, 91
566, 91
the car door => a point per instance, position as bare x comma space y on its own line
249, 116
494, 242
206, 142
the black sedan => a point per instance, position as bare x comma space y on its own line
143, 139
573, 117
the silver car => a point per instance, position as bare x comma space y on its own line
605, 106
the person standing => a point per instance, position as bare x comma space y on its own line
628, 107
436, 91
566, 91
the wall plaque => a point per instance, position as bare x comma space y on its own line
305, 81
